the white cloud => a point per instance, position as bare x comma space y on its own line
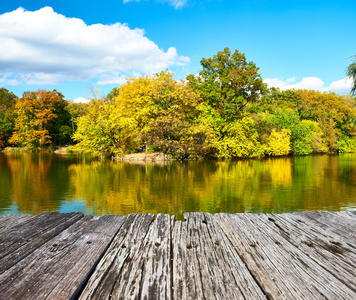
342, 86
43, 47
174, 3
81, 100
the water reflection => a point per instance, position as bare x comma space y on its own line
37, 183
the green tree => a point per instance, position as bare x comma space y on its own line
335, 115
7, 115
306, 135
275, 98
172, 119
351, 72
228, 83
76, 110
346, 144
60, 127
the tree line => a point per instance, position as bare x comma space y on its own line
224, 111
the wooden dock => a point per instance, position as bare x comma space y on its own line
309, 255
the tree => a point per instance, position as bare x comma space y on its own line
60, 127
76, 110
104, 131
228, 82
351, 72
275, 98
278, 143
151, 110
305, 135
7, 115
333, 113
171, 126
40, 116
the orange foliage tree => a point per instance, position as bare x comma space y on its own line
35, 116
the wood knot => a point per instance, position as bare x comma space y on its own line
336, 243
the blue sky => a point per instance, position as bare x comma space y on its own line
72, 45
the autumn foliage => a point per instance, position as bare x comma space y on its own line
37, 114
224, 111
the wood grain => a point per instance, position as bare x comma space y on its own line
307, 255
24, 238
281, 269
60, 267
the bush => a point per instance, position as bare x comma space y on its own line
240, 139
278, 143
346, 144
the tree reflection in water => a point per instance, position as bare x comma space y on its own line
38, 183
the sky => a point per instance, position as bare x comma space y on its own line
75, 46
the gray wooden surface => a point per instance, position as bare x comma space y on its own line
304, 255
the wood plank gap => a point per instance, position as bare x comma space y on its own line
246, 266
173, 218
80, 289
115, 266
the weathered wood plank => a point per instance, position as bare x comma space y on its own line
325, 248
149, 276
114, 268
60, 267
22, 239
184, 262
308, 255
281, 269
205, 264
342, 224
8, 221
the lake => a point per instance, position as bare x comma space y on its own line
39, 183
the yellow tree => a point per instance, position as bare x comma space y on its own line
162, 111
113, 125
155, 110
102, 131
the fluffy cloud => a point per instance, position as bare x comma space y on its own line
81, 100
342, 86
46, 48
175, 3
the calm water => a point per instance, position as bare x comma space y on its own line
38, 183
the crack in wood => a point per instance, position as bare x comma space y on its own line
245, 256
